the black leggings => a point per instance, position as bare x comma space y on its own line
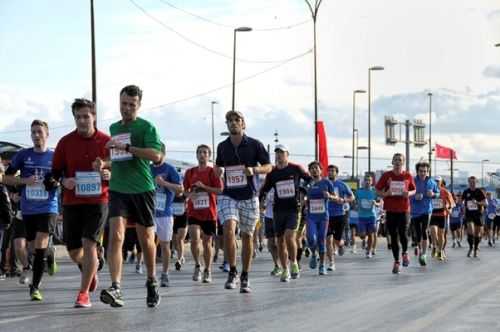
420, 225
397, 225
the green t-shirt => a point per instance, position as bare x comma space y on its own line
130, 174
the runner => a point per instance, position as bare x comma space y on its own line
85, 185
238, 157
39, 207
421, 208
168, 184
180, 228
269, 231
134, 144
474, 201
320, 192
496, 229
202, 185
456, 221
353, 225
366, 199
441, 207
285, 179
300, 239
338, 218
396, 187
490, 218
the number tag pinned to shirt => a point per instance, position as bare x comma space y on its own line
285, 189
437, 203
178, 208
121, 155
317, 206
236, 177
366, 203
36, 192
471, 205
397, 188
88, 184
201, 201
160, 201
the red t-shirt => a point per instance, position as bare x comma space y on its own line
397, 184
75, 153
198, 206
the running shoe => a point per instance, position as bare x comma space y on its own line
112, 296
52, 267
307, 252
331, 266
476, 253
93, 283
261, 247
406, 259
245, 286
35, 294
285, 276
459, 244
389, 247
276, 271
368, 254
490, 244
434, 252
153, 297
341, 251
313, 262
82, 300
469, 253
322, 270
178, 265
416, 251
164, 282
232, 280
197, 273
295, 271
374, 252
440, 256
395, 268
422, 259
101, 264
207, 277
139, 269
24, 279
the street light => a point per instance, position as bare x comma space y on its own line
213, 132
430, 132
482, 170
354, 124
374, 68
92, 53
240, 29
497, 45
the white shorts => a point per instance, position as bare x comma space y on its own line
164, 228
244, 212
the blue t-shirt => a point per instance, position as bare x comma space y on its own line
423, 206
35, 199
343, 191
163, 196
316, 201
366, 199
457, 214
353, 217
492, 206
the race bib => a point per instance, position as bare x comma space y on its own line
36, 192
317, 206
285, 189
397, 188
160, 201
471, 205
201, 201
455, 213
354, 215
88, 184
491, 216
437, 203
235, 177
178, 208
366, 203
121, 155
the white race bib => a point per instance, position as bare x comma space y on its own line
366, 203
36, 192
236, 177
471, 205
121, 155
178, 208
285, 189
160, 201
397, 188
201, 201
317, 206
88, 184
437, 203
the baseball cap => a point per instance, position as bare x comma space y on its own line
237, 113
438, 178
281, 147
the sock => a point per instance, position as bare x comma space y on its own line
115, 284
38, 266
299, 254
476, 242
470, 240
232, 269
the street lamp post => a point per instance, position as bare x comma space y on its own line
358, 148
370, 114
92, 53
354, 125
482, 170
213, 132
430, 132
240, 29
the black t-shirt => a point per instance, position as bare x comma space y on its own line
471, 202
249, 153
286, 183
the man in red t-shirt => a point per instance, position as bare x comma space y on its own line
78, 160
202, 185
396, 187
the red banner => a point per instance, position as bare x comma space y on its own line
322, 147
444, 152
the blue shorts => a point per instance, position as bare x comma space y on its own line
367, 225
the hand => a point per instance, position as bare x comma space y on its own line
406, 193
106, 174
69, 183
199, 185
326, 194
29, 181
98, 164
112, 144
430, 194
249, 171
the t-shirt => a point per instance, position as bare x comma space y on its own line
285, 182
471, 202
366, 199
269, 204
35, 199
420, 203
317, 204
202, 205
441, 204
492, 207
235, 159
457, 214
163, 196
353, 217
130, 174
343, 191
397, 184
73, 157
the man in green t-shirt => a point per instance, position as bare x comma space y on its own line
133, 146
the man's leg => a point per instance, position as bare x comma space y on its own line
146, 236
89, 263
115, 257
194, 235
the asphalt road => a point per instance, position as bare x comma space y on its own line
362, 295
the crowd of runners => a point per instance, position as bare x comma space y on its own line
120, 201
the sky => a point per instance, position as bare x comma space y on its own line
180, 54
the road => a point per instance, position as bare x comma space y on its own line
362, 295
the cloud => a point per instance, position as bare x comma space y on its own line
492, 72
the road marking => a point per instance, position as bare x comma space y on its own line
18, 319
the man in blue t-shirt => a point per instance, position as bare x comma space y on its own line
39, 205
366, 198
337, 215
168, 184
